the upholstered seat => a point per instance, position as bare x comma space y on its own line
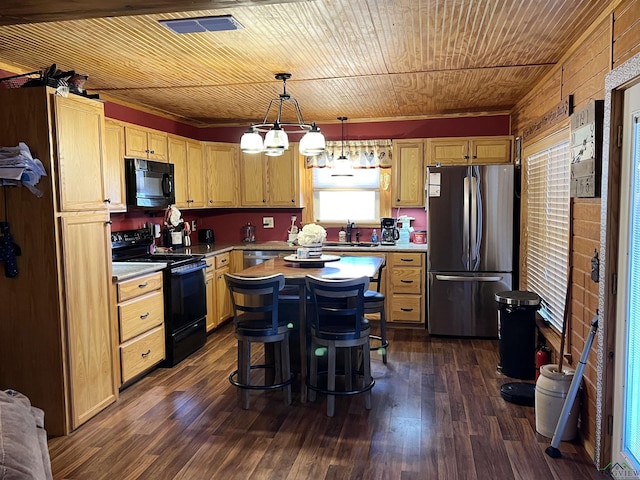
256, 320
337, 322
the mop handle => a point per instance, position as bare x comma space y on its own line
575, 384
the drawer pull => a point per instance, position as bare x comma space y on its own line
407, 309
406, 281
406, 259
146, 354
142, 317
143, 285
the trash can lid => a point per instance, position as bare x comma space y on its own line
518, 297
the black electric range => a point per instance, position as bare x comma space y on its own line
185, 304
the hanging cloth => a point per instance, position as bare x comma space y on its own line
359, 153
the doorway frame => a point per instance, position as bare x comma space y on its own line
616, 82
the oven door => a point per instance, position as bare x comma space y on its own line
187, 296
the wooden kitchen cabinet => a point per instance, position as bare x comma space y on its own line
115, 188
222, 180
469, 151
86, 308
408, 173
79, 170
56, 338
219, 306
145, 143
406, 287
189, 178
270, 181
196, 179
140, 317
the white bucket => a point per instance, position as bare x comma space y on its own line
552, 387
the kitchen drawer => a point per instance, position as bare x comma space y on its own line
407, 280
140, 314
407, 308
139, 286
211, 266
142, 353
222, 260
406, 259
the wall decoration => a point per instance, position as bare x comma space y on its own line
586, 150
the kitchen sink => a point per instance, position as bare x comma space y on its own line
350, 244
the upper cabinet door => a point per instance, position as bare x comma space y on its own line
282, 179
178, 156
196, 173
408, 173
157, 145
447, 151
114, 180
253, 192
491, 150
79, 130
221, 165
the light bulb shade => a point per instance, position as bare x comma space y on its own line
274, 152
251, 142
276, 138
313, 142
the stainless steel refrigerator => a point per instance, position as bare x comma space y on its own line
470, 253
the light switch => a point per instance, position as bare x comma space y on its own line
267, 222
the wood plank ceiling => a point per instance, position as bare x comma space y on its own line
365, 59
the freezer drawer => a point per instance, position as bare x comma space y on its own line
463, 304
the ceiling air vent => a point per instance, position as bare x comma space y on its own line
202, 24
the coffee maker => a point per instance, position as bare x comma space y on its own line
388, 231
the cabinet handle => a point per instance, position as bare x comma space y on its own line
406, 281
475, 156
152, 151
146, 354
466, 157
406, 259
142, 285
108, 222
210, 201
107, 200
407, 309
147, 151
142, 317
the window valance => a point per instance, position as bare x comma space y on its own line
359, 153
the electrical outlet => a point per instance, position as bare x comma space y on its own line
267, 222
194, 224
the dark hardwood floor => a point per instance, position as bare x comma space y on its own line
437, 414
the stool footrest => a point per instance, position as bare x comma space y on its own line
234, 375
384, 344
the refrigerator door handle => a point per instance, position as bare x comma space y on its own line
473, 225
465, 224
463, 278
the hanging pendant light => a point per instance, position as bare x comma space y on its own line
276, 140
342, 165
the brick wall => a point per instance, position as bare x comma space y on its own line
581, 73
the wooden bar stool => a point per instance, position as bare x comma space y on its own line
374, 304
337, 322
256, 320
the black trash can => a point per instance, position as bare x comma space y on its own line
517, 333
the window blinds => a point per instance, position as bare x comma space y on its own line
548, 176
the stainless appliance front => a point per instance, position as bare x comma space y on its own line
470, 255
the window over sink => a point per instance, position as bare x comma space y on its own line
337, 198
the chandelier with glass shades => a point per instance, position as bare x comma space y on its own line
276, 140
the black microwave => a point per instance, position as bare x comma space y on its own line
149, 183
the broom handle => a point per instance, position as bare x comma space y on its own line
565, 321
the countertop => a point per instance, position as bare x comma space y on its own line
216, 248
126, 270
